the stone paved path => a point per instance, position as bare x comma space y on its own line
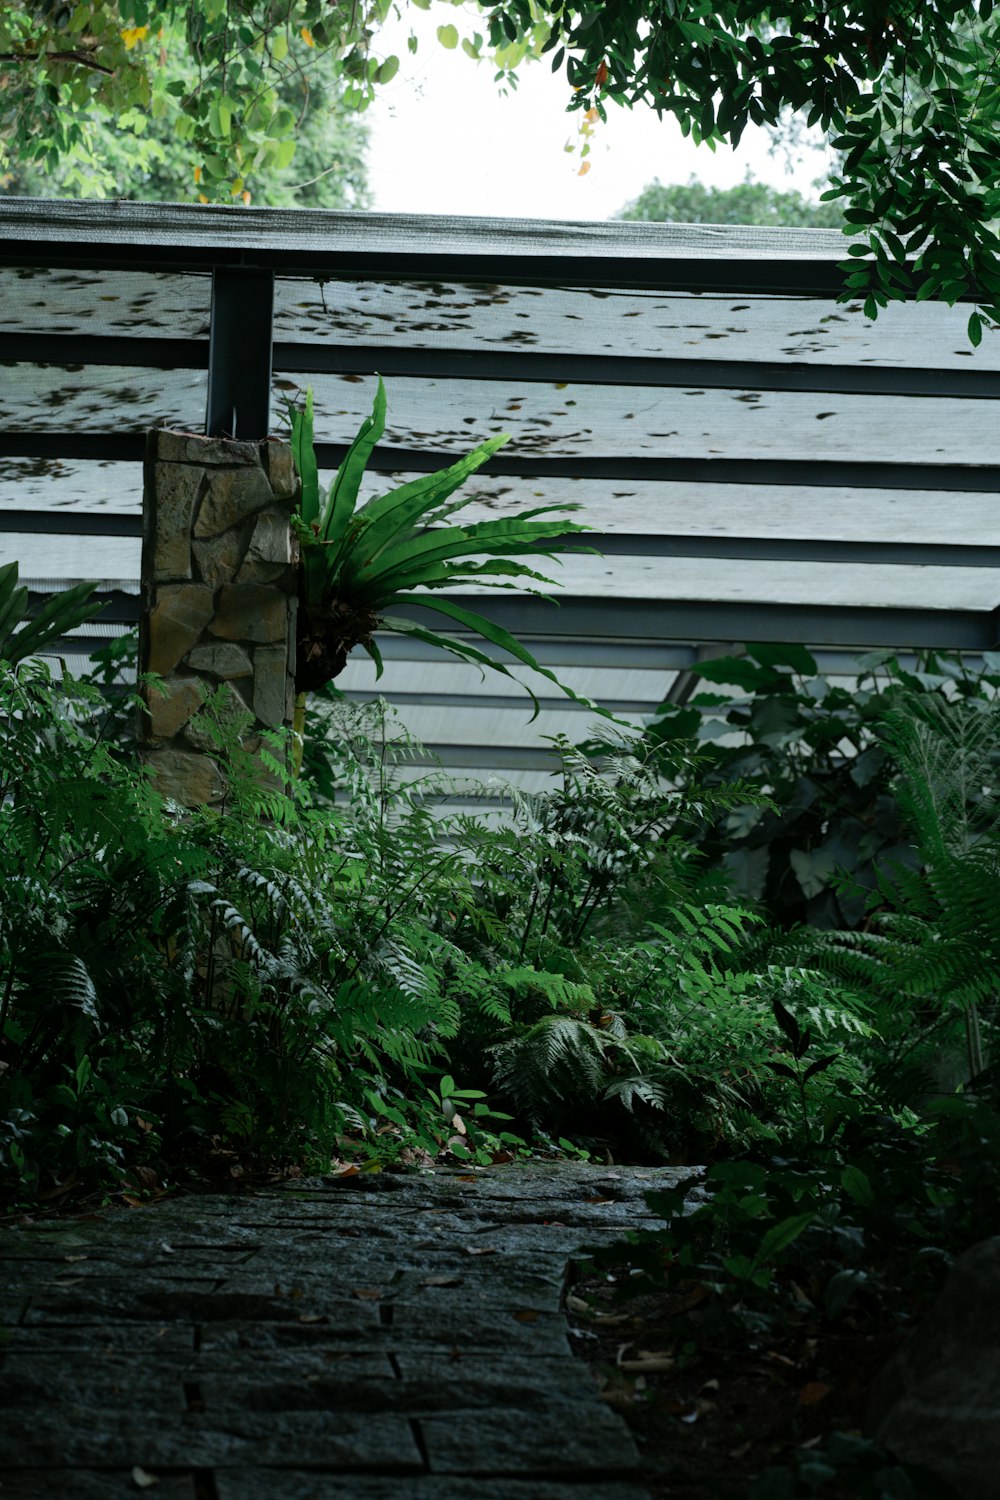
378, 1338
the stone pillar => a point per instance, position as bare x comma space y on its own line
219, 599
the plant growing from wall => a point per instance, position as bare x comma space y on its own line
359, 563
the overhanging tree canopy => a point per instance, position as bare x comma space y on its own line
238, 85
907, 90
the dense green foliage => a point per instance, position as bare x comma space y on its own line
331, 971
274, 978
23, 634
815, 748
748, 203
289, 980
157, 99
909, 95
858, 1206
143, 155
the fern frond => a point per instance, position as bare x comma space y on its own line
636, 1089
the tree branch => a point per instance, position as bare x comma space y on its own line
82, 58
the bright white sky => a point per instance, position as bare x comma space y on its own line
444, 141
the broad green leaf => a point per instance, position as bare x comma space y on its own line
454, 575
790, 654
780, 1236
503, 639
371, 646
343, 494
304, 458
509, 538
60, 613
455, 647
857, 1185
388, 516
735, 670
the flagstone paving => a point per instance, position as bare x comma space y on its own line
374, 1337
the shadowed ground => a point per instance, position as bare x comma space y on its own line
378, 1337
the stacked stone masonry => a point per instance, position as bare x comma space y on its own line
219, 599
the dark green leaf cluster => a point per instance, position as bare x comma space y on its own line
283, 976
908, 96
830, 812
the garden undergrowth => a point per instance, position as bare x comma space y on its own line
328, 973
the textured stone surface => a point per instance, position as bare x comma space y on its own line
938, 1402
218, 559
186, 777
83, 1436
78, 1484
177, 620
281, 471
250, 612
229, 712
517, 1441
225, 661
269, 552
233, 496
172, 705
270, 679
210, 515
176, 489
192, 448
254, 1484
299, 1343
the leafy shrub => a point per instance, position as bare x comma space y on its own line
282, 979
171, 980
814, 752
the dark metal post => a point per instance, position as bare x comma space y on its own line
239, 353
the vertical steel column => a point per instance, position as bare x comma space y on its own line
239, 353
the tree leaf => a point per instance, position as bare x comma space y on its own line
857, 1185
780, 1236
